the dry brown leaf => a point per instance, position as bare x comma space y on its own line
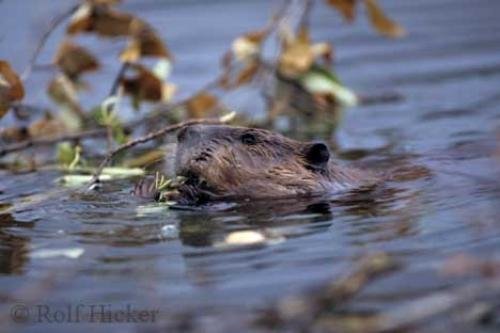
234, 79
201, 104
10, 79
62, 90
146, 86
346, 7
100, 19
145, 42
132, 53
73, 60
11, 87
381, 22
225, 80
299, 54
247, 74
384, 25
48, 126
246, 51
14, 134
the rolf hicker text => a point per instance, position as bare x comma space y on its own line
82, 313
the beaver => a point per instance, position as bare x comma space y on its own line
223, 162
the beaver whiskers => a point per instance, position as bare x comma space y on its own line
234, 163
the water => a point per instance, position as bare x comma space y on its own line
447, 70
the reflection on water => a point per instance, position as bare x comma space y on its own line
437, 145
13, 249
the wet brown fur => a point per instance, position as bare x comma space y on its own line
221, 164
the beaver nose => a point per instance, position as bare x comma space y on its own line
188, 132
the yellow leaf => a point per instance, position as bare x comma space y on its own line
346, 7
132, 52
168, 91
201, 104
296, 57
248, 46
384, 25
80, 21
298, 54
11, 87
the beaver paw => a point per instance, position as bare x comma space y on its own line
146, 189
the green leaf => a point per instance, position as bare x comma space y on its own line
107, 115
320, 80
68, 155
119, 134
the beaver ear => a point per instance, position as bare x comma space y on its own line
317, 154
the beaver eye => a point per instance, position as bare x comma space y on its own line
248, 139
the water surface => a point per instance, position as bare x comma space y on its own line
448, 72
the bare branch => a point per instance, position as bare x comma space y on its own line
49, 141
306, 13
56, 21
146, 138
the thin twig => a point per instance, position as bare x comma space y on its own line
49, 141
146, 138
56, 21
306, 13
102, 132
118, 78
114, 88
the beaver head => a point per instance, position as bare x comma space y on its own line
225, 161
